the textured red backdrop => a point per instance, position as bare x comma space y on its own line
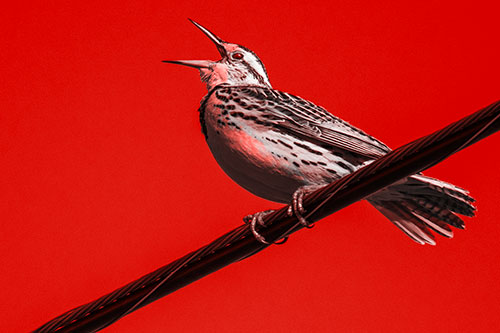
105, 175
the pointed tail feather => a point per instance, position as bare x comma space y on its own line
421, 204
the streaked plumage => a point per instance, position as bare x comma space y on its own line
272, 143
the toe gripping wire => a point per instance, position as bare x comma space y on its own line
295, 208
258, 219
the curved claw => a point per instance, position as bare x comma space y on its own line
297, 207
258, 218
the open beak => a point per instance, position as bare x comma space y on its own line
219, 43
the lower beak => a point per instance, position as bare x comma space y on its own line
190, 63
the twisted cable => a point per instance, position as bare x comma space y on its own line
239, 243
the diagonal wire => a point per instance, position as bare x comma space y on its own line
239, 243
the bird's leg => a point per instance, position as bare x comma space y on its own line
297, 208
253, 219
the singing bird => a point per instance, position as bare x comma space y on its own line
279, 146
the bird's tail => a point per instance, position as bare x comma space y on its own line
420, 204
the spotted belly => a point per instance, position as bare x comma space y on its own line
267, 163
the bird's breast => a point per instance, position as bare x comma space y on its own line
240, 141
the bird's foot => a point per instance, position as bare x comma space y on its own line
258, 218
297, 208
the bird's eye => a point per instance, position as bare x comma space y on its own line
237, 55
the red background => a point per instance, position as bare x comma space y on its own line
105, 175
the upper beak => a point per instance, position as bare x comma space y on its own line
219, 43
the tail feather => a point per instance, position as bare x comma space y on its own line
437, 226
434, 203
442, 213
439, 222
421, 204
405, 221
441, 187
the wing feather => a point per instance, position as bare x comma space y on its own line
299, 117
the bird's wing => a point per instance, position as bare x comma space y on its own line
301, 118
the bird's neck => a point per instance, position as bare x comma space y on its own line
234, 77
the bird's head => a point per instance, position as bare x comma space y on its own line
238, 66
